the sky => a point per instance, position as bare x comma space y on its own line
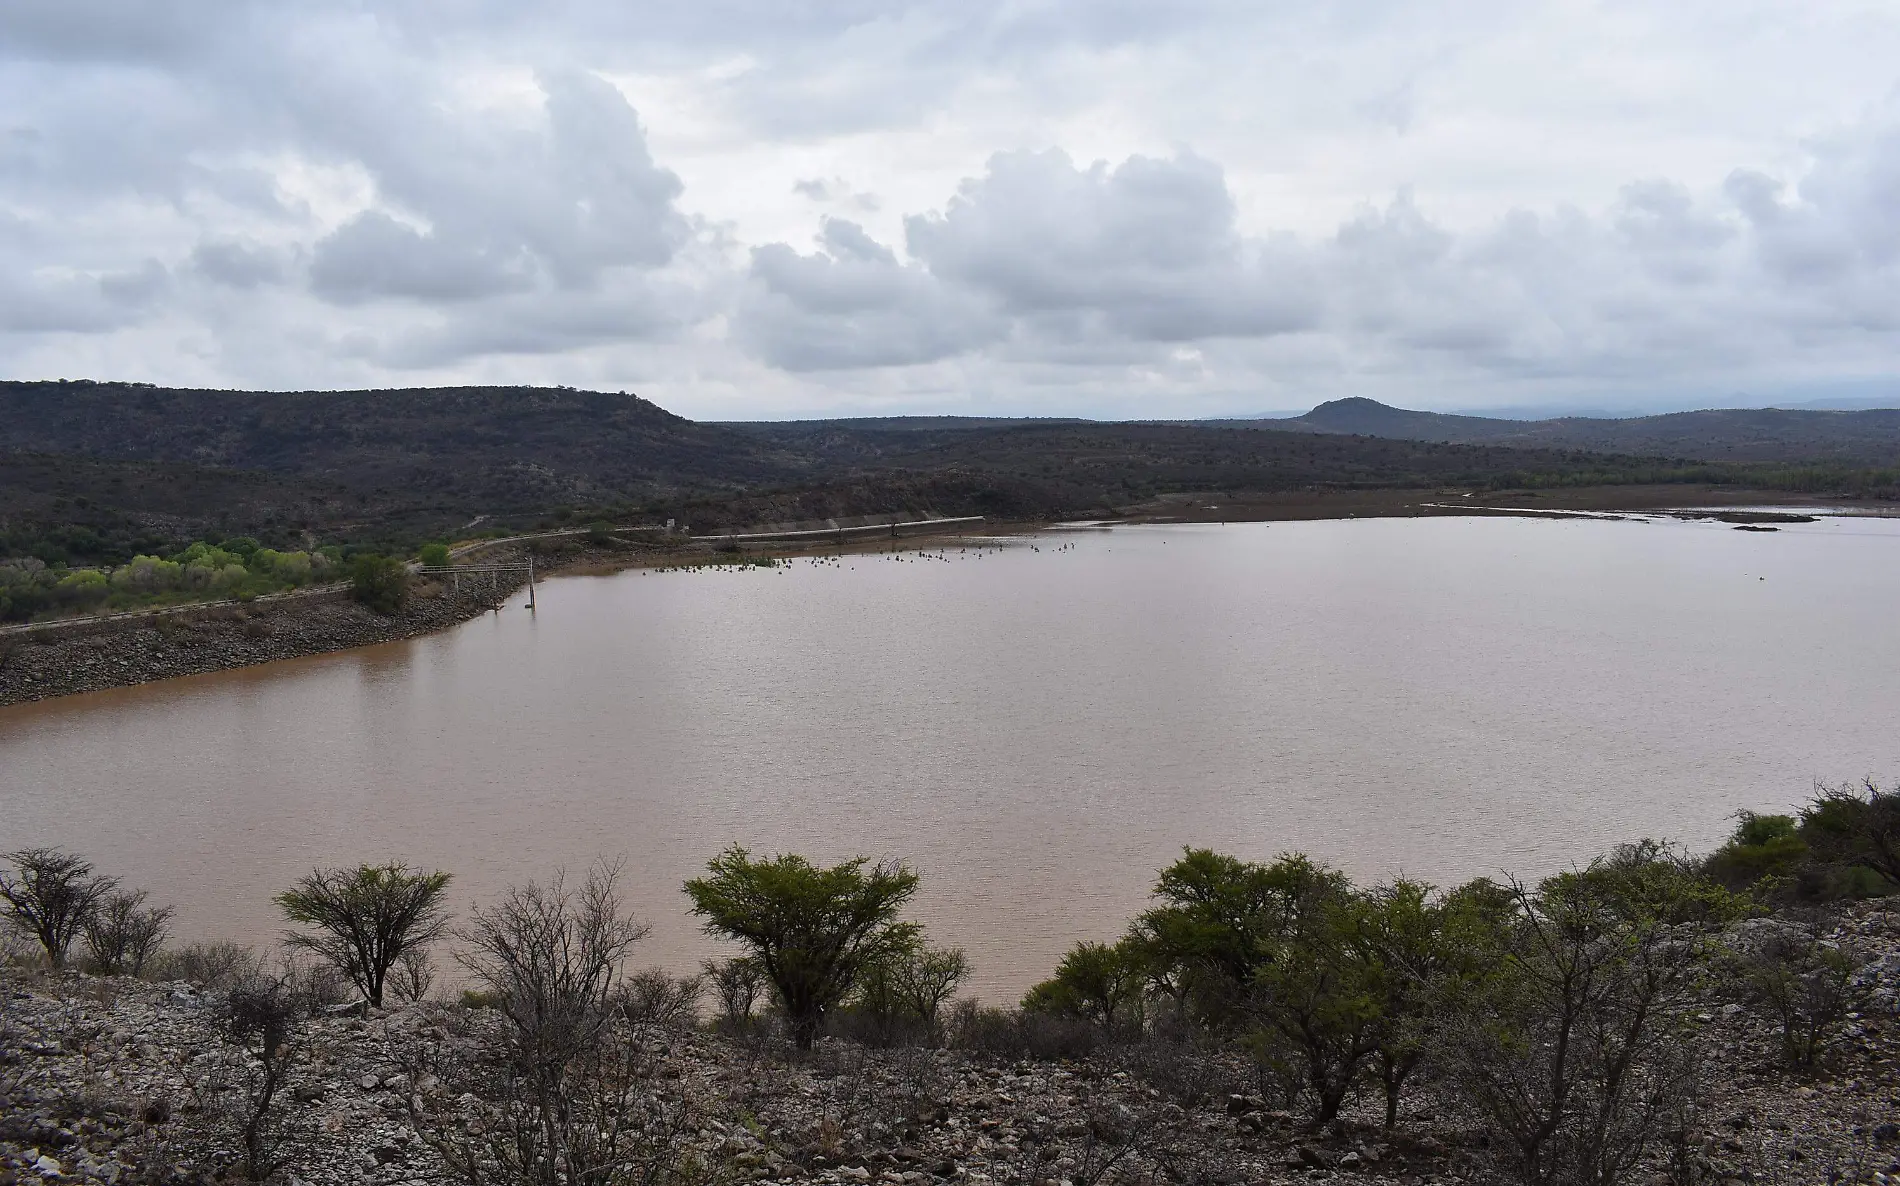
745, 209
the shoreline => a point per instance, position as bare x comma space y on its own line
67, 659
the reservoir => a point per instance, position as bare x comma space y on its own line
1036, 725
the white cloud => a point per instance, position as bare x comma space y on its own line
1036, 207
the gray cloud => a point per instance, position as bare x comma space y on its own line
235, 265
852, 304
238, 192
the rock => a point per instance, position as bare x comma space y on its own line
370, 1082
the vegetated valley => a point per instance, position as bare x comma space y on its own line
99, 472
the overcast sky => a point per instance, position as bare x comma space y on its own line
783, 208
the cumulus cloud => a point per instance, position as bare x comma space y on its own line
851, 304
1147, 249
1376, 200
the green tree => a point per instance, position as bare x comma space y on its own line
380, 582
1321, 987
1218, 923
1761, 848
1855, 828
1423, 956
51, 895
814, 930
367, 918
434, 555
1101, 982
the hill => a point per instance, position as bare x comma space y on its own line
498, 447
124, 461
1863, 437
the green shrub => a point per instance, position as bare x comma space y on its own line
1763, 847
380, 582
1856, 830
434, 555
1098, 982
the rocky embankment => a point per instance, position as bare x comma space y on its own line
192, 641
214, 638
119, 1081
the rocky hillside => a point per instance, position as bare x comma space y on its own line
120, 1081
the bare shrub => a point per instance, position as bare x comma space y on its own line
555, 1085
1186, 1072
737, 985
553, 956
1119, 1143
219, 966
123, 934
1788, 972
412, 977
659, 999
262, 1039
1016, 1034
50, 894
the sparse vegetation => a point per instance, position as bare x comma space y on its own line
1562, 1026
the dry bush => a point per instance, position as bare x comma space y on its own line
656, 998
555, 1085
123, 934
1789, 973
1016, 1034
262, 1039
218, 966
412, 977
738, 985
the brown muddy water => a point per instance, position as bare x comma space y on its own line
1037, 729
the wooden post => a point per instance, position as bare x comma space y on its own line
531, 582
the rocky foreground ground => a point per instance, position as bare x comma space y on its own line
119, 1081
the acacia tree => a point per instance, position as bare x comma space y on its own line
1321, 991
1100, 982
814, 930
1218, 925
928, 978
51, 895
367, 918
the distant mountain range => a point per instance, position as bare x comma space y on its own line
1866, 437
